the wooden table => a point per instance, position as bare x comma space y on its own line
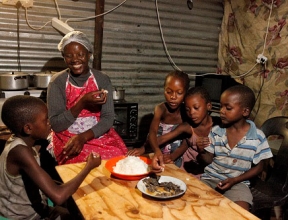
103, 197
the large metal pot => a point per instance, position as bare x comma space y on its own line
41, 80
118, 94
13, 81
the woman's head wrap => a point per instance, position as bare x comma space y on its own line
75, 36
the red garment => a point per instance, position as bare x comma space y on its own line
109, 145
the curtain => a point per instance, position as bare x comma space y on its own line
252, 28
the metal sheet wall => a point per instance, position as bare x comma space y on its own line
133, 53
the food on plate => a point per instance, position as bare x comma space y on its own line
131, 165
161, 189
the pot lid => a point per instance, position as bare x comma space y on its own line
13, 73
46, 73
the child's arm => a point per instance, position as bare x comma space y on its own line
180, 129
205, 157
229, 182
157, 160
21, 159
170, 158
158, 112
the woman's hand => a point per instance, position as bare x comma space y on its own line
89, 101
94, 98
136, 151
72, 148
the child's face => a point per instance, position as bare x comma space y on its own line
41, 126
174, 92
197, 108
231, 110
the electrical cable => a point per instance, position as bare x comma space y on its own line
71, 19
267, 28
244, 74
58, 10
163, 41
264, 46
34, 28
18, 5
258, 96
203, 74
88, 18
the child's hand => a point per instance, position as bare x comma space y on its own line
157, 164
202, 142
226, 184
93, 160
167, 158
136, 151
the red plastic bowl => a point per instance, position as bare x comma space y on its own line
112, 163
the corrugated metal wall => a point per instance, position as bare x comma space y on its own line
133, 53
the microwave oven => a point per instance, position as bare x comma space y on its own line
126, 119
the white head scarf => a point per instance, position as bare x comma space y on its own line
75, 36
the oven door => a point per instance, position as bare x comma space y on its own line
121, 121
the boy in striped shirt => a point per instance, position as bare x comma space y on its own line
237, 148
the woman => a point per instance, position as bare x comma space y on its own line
80, 106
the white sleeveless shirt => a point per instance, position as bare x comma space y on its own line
14, 202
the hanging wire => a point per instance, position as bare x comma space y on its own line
69, 19
264, 46
244, 74
258, 97
34, 28
267, 28
163, 41
58, 10
88, 18
18, 5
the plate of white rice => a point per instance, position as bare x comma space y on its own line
129, 167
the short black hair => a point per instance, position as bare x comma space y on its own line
199, 90
20, 110
180, 75
246, 95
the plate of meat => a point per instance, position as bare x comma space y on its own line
162, 187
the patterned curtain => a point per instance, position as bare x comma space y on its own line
252, 28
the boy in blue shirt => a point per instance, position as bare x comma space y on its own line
235, 147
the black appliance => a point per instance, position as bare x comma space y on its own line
126, 119
215, 84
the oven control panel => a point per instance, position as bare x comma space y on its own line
126, 119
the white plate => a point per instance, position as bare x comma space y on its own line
141, 186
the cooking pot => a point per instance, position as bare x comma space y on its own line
118, 94
13, 81
41, 80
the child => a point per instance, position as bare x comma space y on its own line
234, 147
198, 104
167, 116
22, 180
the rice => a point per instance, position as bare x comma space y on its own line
131, 165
